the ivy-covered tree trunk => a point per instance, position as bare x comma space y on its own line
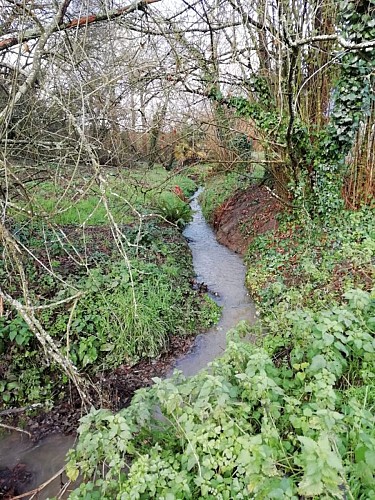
352, 99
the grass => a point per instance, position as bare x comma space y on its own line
223, 185
77, 201
122, 316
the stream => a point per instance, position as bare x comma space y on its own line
223, 271
217, 267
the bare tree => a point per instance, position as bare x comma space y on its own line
44, 50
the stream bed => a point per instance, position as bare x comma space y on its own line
223, 272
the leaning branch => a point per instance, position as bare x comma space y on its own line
81, 22
333, 38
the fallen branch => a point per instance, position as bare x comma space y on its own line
12, 411
40, 487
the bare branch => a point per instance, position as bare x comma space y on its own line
27, 35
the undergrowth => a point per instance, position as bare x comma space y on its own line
289, 416
115, 320
122, 311
311, 264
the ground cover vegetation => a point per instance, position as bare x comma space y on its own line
121, 310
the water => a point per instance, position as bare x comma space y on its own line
224, 274
43, 459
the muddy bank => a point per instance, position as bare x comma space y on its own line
26, 461
245, 215
117, 389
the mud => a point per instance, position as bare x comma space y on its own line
13, 480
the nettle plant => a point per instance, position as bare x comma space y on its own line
290, 418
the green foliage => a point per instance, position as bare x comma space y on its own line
117, 321
187, 184
268, 120
306, 264
210, 313
282, 420
242, 145
173, 208
15, 330
124, 313
114, 321
259, 87
290, 417
87, 211
76, 203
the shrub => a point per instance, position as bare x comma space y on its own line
173, 208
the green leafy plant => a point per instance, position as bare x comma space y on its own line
252, 426
173, 208
210, 312
15, 330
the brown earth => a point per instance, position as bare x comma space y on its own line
245, 215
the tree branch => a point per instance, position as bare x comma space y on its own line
332, 38
31, 34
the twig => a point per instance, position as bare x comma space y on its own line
40, 487
277, 197
17, 429
11, 411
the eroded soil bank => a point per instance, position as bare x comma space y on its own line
245, 215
